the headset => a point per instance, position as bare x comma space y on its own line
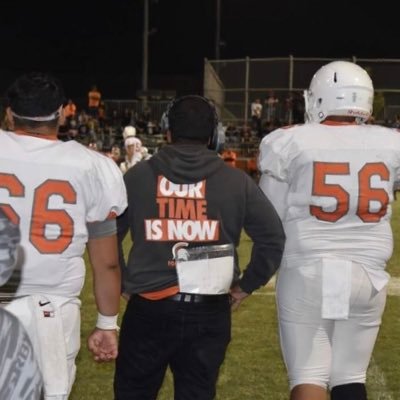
214, 138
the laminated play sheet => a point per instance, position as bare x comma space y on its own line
205, 269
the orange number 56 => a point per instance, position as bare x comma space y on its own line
366, 193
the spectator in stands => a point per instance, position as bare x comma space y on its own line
288, 109
69, 110
127, 117
83, 134
150, 127
114, 153
270, 109
133, 153
145, 153
115, 119
256, 111
72, 132
94, 98
82, 118
298, 108
229, 156
232, 134
102, 114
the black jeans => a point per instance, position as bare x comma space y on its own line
190, 338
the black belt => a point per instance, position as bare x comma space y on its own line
198, 298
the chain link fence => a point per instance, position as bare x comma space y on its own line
234, 84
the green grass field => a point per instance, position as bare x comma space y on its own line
253, 368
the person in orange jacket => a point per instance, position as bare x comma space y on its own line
229, 156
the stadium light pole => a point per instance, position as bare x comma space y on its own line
218, 30
145, 46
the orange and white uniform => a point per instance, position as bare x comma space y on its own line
53, 202
332, 185
329, 182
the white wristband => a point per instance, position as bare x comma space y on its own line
107, 322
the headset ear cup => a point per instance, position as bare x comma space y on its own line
164, 123
214, 140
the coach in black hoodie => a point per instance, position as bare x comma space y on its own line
186, 212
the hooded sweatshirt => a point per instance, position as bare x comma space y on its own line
186, 193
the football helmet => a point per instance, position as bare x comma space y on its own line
339, 88
128, 131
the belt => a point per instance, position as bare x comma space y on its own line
198, 298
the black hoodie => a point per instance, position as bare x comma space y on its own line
186, 193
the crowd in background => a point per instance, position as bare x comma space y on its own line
103, 127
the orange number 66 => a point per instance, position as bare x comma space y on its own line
41, 214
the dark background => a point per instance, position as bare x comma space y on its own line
87, 42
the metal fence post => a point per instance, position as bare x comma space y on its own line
246, 93
291, 72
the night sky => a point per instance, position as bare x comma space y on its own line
87, 42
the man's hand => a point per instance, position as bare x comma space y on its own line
103, 344
237, 296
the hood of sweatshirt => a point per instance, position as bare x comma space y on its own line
186, 163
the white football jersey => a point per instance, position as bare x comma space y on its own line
332, 186
54, 189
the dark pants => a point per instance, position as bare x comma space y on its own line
190, 338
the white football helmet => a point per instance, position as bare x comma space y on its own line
339, 88
128, 131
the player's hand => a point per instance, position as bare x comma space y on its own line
237, 296
103, 344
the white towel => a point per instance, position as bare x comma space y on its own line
336, 288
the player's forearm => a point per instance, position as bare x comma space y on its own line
107, 290
103, 254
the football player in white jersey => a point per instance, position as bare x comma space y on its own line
65, 197
331, 181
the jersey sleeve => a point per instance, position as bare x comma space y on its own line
107, 191
277, 192
274, 153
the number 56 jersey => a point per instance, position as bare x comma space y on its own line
53, 189
332, 186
